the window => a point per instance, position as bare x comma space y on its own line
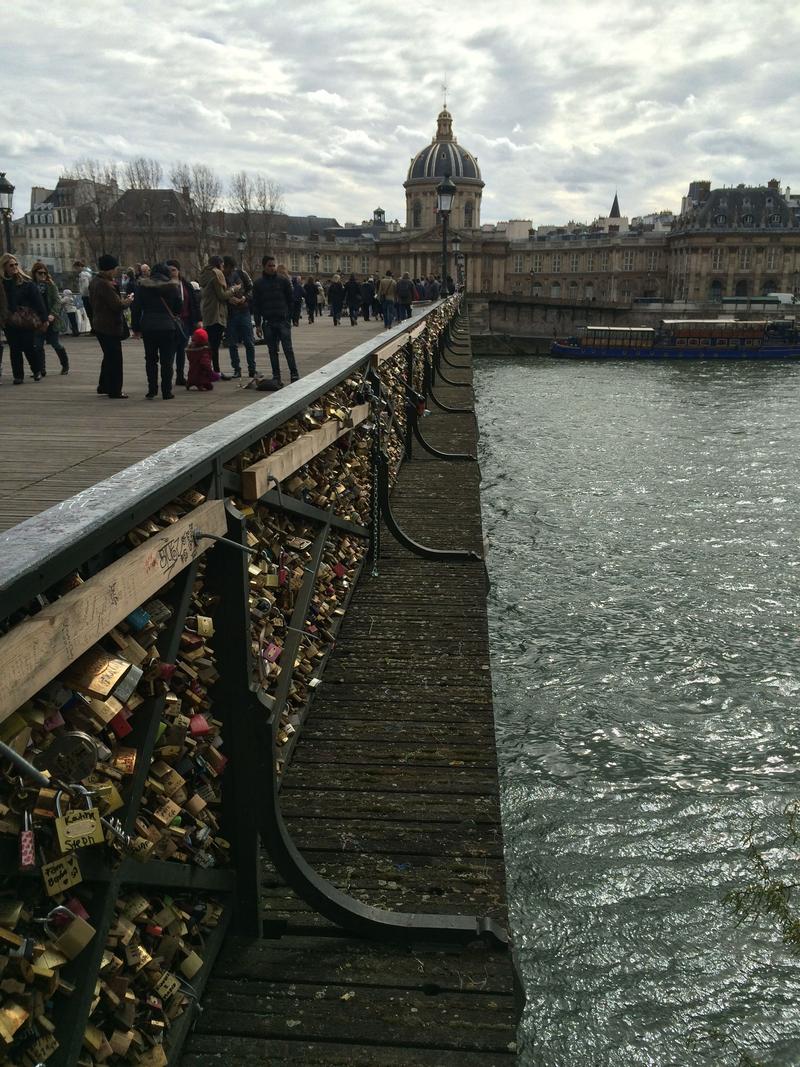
775, 218
468, 214
344, 264
590, 261
417, 215
537, 262
519, 264
310, 263
365, 264
573, 290
747, 220
556, 262
720, 219
717, 258
604, 261
327, 264
295, 262
772, 258
745, 258
716, 292
555, 290
652, 260
574, 262
628, 259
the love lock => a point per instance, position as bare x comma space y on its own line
78, 828
71, 757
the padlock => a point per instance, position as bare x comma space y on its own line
78, 828
71, 757
74, 937
27, 844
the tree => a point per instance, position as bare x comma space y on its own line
243, 202
99, 189
143, 173
201, 190
270, 204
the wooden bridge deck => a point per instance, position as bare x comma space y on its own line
392, 795
58, 436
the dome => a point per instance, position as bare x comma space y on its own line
444, 156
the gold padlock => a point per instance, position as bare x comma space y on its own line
78, 828
74, 938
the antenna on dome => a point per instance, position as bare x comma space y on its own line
444, 93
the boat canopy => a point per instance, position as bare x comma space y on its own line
621, 329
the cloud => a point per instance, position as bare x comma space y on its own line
562, 104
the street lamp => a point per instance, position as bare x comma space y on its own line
241, 244
6, 197
445, 191
455, 244
316, 264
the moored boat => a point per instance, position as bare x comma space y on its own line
685, 339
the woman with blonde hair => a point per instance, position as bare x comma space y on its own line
26, 315
336, 298
52, 302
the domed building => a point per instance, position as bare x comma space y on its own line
443, 156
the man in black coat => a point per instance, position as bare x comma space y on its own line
272, 312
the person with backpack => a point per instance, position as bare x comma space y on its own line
240, 319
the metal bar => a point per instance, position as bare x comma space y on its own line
282, 502
456, 555
413, 417
299, 612
428, 388
227, 573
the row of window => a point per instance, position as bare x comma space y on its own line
328, 264
69, 231
577, 262
468, 213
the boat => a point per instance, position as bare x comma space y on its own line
685, 339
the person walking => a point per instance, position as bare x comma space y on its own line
310, 293
156, 306
107, 309
297, 300
239, 329
386, 294
188, 319
69, 308
84, 282
352, 298
49, 292
272, 310
404, 294
27, 313
336, 298
367, 297
216, 295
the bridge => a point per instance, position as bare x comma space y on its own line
247, 726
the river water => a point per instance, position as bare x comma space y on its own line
642, 523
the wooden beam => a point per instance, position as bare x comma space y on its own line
40, 648
257, 479
397, 343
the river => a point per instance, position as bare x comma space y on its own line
642, 522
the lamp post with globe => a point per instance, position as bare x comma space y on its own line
445, 191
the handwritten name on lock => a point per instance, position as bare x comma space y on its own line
78, 829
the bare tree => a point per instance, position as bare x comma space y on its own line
202, 190
270, 204
98, 193
243, 202
143, 173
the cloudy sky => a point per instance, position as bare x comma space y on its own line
562, 102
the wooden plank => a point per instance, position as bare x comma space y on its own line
205, 1049
396, 343
38, 649
257, 479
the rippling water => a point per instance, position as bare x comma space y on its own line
642, 523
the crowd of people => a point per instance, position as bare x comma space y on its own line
184, 323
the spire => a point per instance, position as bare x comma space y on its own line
614, 213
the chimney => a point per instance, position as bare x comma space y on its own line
774, 185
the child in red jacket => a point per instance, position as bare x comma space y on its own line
198, 355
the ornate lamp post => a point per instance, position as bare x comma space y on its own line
6, 198
456, 246
445, 191
316, 265
241, 244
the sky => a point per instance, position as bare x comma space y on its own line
562, 103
